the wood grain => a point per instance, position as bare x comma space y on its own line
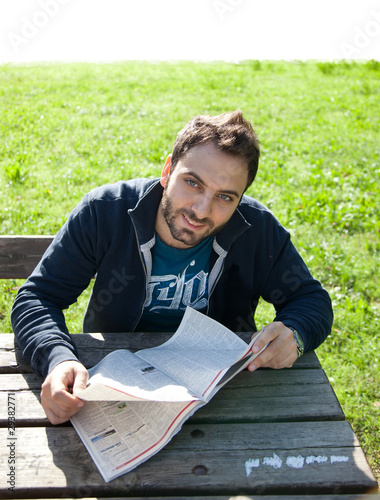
56, 459
94, 347
19, 255
264, 396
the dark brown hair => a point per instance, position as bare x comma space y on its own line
230, 132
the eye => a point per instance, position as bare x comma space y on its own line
225, 197
192, 182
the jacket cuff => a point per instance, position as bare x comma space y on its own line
293, 326
53, 357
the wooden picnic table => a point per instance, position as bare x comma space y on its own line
279, 433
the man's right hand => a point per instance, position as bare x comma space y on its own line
58, 389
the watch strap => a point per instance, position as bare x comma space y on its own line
299, 342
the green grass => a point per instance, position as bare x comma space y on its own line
68, 128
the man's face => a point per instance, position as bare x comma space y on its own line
200, 195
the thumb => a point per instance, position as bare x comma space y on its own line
80, 379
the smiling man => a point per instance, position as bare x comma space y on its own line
200, 196
191, 238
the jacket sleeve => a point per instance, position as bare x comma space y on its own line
63, 273
300, 300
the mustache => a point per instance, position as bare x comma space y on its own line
191, 215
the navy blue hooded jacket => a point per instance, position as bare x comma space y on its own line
111, 235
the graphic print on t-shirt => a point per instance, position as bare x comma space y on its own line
179, 279
177, 292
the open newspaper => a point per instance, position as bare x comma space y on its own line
137, 402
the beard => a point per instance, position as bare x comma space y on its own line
185, 235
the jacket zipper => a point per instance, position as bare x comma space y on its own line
214, 285
146, 277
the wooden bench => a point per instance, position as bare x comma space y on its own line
19, 255
276, 434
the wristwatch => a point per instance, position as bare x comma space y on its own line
299, 341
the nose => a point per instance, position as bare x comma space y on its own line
202, 206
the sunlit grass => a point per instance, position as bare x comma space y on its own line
68, 128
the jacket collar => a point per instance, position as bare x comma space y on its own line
143, 215
144, 219
234, 228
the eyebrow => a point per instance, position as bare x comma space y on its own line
223, 191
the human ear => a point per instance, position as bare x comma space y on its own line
166, 171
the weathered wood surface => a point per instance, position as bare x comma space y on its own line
264, 396
243, 380
93, 347
283, 417
249, 497
323, 457
19, 255
267, 395
368, 496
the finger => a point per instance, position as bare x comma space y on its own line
263, 338
53, 418
275, 337
61, 396
80, 381
282, 361
74, 378
253, 366
56, 411
274, 357
57, 400
261, 360
59, 405
57, 415
256, 347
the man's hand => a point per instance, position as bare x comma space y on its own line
281, 351
58, 389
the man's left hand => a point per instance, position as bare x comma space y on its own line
281, 351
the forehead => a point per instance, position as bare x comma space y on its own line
219, 170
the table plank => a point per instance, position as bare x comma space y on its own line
93, 347
264, 396
266, 461
19, 254
368, 496
249, 497
245, 379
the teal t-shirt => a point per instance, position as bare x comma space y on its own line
179, 279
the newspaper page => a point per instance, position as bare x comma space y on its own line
200, 353
123, 376
187, 367
119, 435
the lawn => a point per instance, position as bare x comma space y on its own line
67, 128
